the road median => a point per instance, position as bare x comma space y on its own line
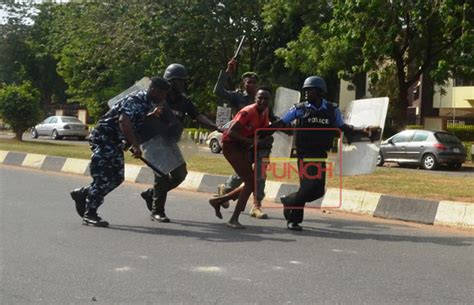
434, 212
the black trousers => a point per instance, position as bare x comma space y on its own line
165, 184
312, 174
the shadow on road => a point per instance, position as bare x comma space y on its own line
327, 228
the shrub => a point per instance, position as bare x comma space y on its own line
20, 107
463, 132
468, 146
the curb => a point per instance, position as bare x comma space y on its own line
445, 213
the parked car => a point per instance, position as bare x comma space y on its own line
58, 127
429, 149
214, 139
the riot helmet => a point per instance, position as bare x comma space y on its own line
175, 71
315, 82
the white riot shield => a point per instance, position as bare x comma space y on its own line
360, 158
284, 99
223, 115
142, 84
162, 154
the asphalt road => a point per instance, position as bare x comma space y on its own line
48, 257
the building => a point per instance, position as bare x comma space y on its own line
453, 103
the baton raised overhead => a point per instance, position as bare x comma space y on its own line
239, 48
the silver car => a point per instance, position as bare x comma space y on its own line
429, 149
58, 127
214, 139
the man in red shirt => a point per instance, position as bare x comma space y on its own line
236, 148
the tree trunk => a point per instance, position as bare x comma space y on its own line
427, 92
401, 107
19, 135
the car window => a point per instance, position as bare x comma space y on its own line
445, 137
53, 120
47, 120
403, 136
420, 136
70, 120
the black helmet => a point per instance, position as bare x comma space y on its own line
315, 82
175, 71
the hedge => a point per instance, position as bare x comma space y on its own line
463, 132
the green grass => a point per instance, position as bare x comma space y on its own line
418, 184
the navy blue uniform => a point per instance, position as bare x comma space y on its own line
311, 147
106, 142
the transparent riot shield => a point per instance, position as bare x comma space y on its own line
142, 84
162, 154
284, 99
360, 157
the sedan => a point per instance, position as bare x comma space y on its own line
58, 127
425, 148
214, 139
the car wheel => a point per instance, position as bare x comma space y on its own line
455, 165
214, 146
55, 135
380, 159
34, 133
429, 162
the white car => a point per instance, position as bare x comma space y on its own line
58, 127
214, 139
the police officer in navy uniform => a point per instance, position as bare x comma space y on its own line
181, 106
311, 146
107, 141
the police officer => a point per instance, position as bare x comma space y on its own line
118, 125
238, 100
311, 146
181, 106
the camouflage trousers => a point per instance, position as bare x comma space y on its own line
106, 168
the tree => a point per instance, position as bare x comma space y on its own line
20, 107
418, 37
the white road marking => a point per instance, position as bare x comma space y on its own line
209, 269
295, 262
121, 269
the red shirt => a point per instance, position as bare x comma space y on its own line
251, 120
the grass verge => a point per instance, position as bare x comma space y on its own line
392, 181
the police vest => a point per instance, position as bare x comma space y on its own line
316, 140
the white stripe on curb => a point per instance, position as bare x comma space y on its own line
131, 172
452, 213
33, 160
3, 155
76, 166
192, 181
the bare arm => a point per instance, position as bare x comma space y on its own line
205, 121
126, 127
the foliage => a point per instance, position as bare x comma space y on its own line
362, 36
469, 152
22, 57
19, 107
464, 133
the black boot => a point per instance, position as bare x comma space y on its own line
158, 208
92, 219
294, 226
148, 197
79, 196
160, 217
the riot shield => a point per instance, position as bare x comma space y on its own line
284, 99
164, 154
142, 84
360, 156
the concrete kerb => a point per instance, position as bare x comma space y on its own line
446, 213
